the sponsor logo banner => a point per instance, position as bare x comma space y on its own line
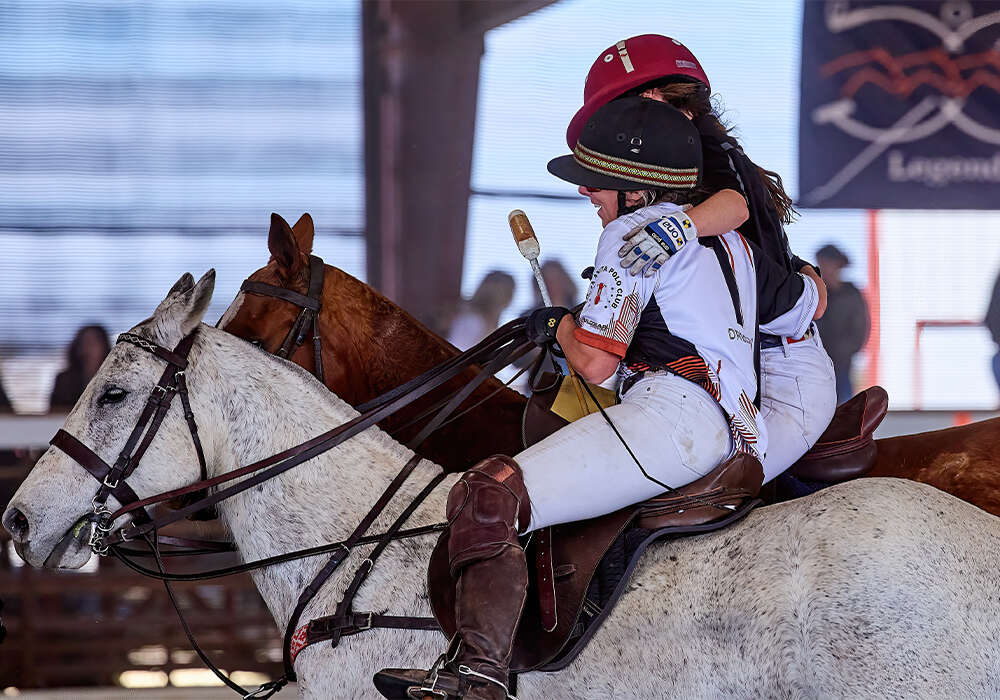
900, 105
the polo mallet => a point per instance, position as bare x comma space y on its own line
527, 244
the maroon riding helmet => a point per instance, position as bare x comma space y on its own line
629, 64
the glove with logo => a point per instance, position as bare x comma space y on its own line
543, 322
649, 245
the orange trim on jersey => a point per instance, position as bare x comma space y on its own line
600, 342
747, 246
732, 262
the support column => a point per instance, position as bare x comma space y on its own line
421, 78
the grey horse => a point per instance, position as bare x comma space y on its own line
875, 588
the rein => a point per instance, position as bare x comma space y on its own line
499, 349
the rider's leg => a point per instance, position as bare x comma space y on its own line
487, 507
675, 428
798, 399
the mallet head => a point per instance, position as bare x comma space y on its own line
524, 235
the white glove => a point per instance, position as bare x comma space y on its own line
649, 245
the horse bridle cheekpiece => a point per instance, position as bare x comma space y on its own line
310, 303
112, 478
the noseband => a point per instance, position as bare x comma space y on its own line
112, 478
310, 303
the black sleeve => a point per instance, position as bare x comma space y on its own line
798, 263
778, 290
717, 169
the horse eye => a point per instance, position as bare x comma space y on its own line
257, 342
112, 394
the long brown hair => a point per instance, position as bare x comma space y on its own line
693, 98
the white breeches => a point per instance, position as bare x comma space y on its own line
675, 428
798, 398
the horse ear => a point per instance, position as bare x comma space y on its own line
304, 233
282, 244
198, 299
185, 283
182, 309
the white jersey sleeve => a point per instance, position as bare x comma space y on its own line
614, 300
795, 322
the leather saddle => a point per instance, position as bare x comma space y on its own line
562, 612
846, 450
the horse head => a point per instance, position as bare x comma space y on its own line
50, 517
363, 332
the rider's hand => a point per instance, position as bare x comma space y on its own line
543, 322
649, 245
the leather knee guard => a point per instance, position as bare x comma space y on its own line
487, 508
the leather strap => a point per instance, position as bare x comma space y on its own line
98, 468
270, 290
546, 580
308, 318
321, 629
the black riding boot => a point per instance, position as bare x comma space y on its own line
485, 508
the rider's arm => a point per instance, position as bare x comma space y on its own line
721, 213
651, 239
726, 209
810, 272
592, 363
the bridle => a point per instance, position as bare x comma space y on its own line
113, 478
310, 305
496, 351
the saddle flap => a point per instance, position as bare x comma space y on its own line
576, 551
846, 448
713, 496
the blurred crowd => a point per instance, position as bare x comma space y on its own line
844, 328
479, 315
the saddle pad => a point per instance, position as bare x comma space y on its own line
613, 574
567, 402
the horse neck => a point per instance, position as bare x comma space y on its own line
387, 345
257, 406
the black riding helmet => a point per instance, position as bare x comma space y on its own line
634, 143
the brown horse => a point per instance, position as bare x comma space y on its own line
370, 346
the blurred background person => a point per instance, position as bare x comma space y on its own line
84, 356
992, 323
5, 406
480, 315
845, 325
562, 286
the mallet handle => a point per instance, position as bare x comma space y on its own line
527, 244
